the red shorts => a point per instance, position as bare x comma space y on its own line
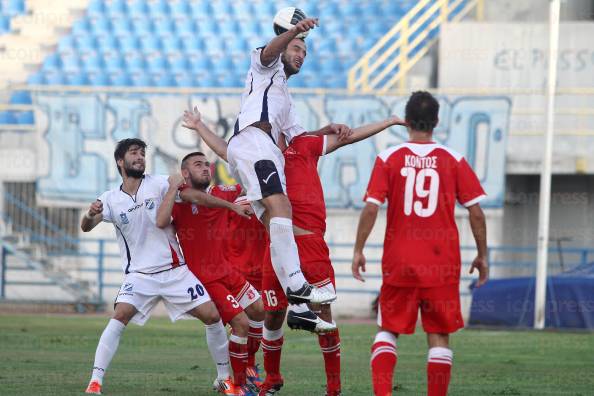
315, 265
440, 309
231, 295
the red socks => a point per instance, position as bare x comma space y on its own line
238, 354
330, 345
254, 340
272, 343
383, 362
439, 367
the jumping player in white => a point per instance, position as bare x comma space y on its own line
151, 259
266, 113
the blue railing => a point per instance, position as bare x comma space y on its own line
105, 260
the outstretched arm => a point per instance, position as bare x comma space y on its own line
193, 120
366, 223
278, 44
201, 198
335, 141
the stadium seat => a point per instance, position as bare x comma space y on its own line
54, 77
24, 117
85, 42
20, 97
91, 60
7, 117
137, 7
140, 79
98, 78
69, 61
119, 79
142, 25
180, 7
52, 62
36, 79
183, 79
149, 43
76, 78
158, 7
164, 79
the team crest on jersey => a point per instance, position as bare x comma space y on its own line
149, 203
128, 287
224, 187
124, 218
194, 209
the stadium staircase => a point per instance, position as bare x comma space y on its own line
28, 252
385, 66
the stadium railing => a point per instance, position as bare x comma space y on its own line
100, 264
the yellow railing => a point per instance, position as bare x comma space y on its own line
388, 61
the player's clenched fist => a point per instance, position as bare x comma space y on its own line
175, 181
243, 210
305, 25
95, 208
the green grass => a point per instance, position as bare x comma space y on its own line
47, 355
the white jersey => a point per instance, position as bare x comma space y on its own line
144, 247
266, 98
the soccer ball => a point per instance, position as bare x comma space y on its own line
286, 18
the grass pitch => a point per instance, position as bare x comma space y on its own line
53, 355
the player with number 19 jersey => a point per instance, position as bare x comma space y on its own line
422, 183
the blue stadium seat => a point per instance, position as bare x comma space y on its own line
69, 61
24, 117
199, 61
179, 7
116, 6
163, 79
98, 78
201, 9
119, 79
112, 61
140, 79
54, 77
85, 42
52, 62
158, 7
106, 42
91, 60
184, 26
242, 10
156, 62
204, 80
142, 25
76, 78
20, 97
171, 44
128, 43
13, 7
177, 62
96, 7
193, 44
134, 61
7, 117
163, 24
183, 79
221, 10
99, 24
121, 25
4, 24
150, 43
137, 7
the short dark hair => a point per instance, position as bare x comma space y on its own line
188, 156
123, 146
422, 111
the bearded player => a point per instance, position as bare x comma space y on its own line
306, 195
202, 234
422, 181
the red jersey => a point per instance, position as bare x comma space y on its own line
202, 231
422, 183
247, 243
304, 187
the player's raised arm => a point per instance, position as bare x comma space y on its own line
479, 231
201, 198
366, 223
93, 216
193, 120
336, 140
166, 207
277, 45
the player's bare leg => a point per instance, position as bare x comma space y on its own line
439, 364
272, 343
108, 344
330, 346
284, 256
383, 361
216, 337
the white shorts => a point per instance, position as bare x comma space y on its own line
179, 289
258, 164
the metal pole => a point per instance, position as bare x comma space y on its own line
100, 270
544, 205
4, 263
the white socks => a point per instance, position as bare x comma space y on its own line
440, 355
218, 345
283, 254
272, 335
107, 347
